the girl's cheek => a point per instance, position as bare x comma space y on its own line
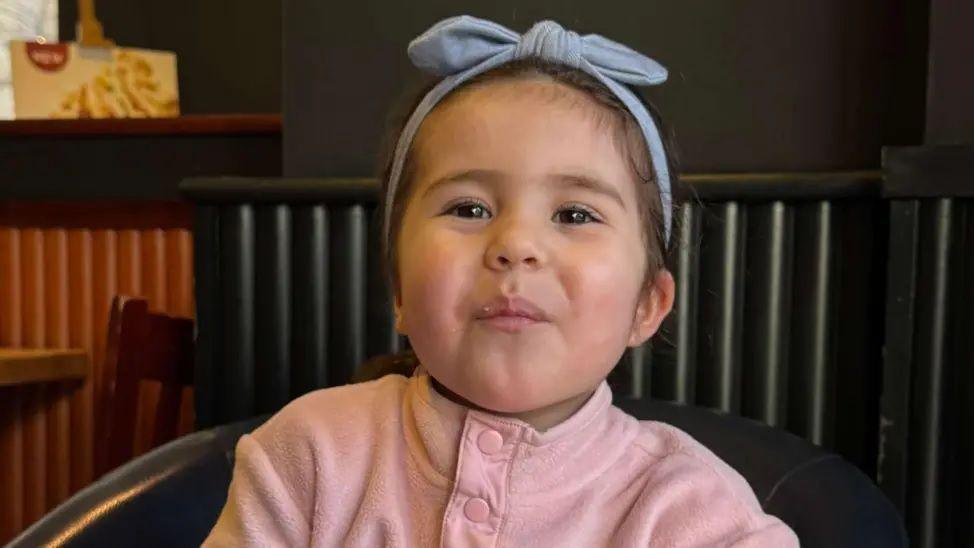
599, 275
435, 251
433, 271
601, 289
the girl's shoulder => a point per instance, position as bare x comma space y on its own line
704, 498
358, 397
663, 439
677, 452
336, 413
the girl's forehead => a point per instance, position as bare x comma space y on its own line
515, 94
521, 124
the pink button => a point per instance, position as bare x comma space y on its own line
476, 510
490, 442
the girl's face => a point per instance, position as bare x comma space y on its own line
523, 204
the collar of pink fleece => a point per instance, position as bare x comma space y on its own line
434, 427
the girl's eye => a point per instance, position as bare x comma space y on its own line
575, 215
469, 210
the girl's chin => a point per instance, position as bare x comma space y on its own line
487, 396
505, 401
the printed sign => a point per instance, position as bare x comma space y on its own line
69, 81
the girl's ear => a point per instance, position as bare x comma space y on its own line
397, 309
655, 302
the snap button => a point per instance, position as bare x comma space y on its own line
490, 441
476, 510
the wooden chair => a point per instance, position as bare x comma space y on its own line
142, 346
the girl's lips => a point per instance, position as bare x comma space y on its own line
511, 306
510, 323
511, 313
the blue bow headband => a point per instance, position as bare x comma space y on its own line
460, 48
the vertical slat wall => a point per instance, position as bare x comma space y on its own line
289, 299
928, 392
769, 270
779, 281
60, 266
927, 408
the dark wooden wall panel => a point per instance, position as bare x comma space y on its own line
926, 409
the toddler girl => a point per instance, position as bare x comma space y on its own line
527, 208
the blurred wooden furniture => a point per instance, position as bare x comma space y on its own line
143, 346
90, 209
30, 365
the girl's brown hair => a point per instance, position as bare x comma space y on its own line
626, 129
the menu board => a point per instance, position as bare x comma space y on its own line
65, 80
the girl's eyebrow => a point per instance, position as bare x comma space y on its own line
475, 175
591, 184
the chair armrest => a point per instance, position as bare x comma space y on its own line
170, 496
827, 499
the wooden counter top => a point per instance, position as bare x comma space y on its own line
31, 365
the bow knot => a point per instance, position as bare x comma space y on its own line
549, 41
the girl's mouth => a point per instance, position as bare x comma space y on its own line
511, 313
510, 323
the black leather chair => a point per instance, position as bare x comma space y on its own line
173, 495
168, 497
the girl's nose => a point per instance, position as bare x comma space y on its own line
514, 245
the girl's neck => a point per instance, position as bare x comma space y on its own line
540, 419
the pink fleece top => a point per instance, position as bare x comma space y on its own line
394, 463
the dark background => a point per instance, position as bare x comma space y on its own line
754, 86
950, 88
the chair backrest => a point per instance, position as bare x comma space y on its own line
170, 496
823, 497
142, 346
173, 495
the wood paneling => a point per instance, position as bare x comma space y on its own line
60, 266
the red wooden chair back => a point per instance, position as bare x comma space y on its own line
142, 346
